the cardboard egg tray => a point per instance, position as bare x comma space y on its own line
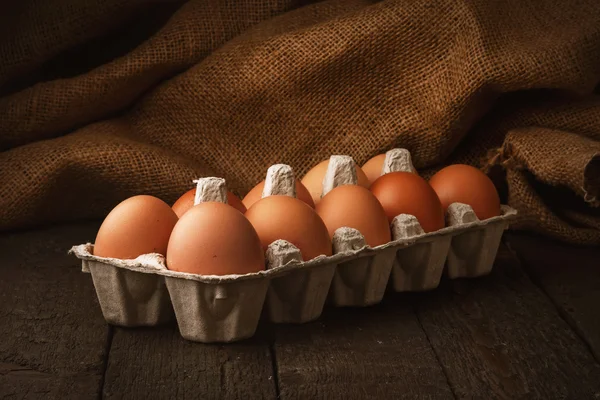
143, 292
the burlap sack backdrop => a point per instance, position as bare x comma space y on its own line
101, 100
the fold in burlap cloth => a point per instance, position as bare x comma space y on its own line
101, 100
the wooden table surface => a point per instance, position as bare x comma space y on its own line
530, 330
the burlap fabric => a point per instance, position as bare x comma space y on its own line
102, 100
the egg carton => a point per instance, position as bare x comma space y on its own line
143, 292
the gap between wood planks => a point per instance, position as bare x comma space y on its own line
299, 368
156, 362
569, 276
479, 331
469, 337
275, 367
437, 357
53, 334
109, 338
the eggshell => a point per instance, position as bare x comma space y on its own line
288, 218
186, 201
313, 180
214, 238
138, 225
256, 193
373, 167
465, 184
355, 207
408, 193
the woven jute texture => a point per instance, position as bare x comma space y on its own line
101, 100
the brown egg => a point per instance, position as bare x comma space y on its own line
256, 194
408, 193
461, 183
138, 225
355, 207
214, 239
373, 167
186, 201
313, 180
284, 217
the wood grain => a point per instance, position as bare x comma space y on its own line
570, 276
500, 337
156, 363
53, 336
360, 353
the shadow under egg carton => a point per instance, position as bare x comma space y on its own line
143, 292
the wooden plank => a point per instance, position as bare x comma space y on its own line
570, 276
53, 335
501, 337
157, 363
376, 352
